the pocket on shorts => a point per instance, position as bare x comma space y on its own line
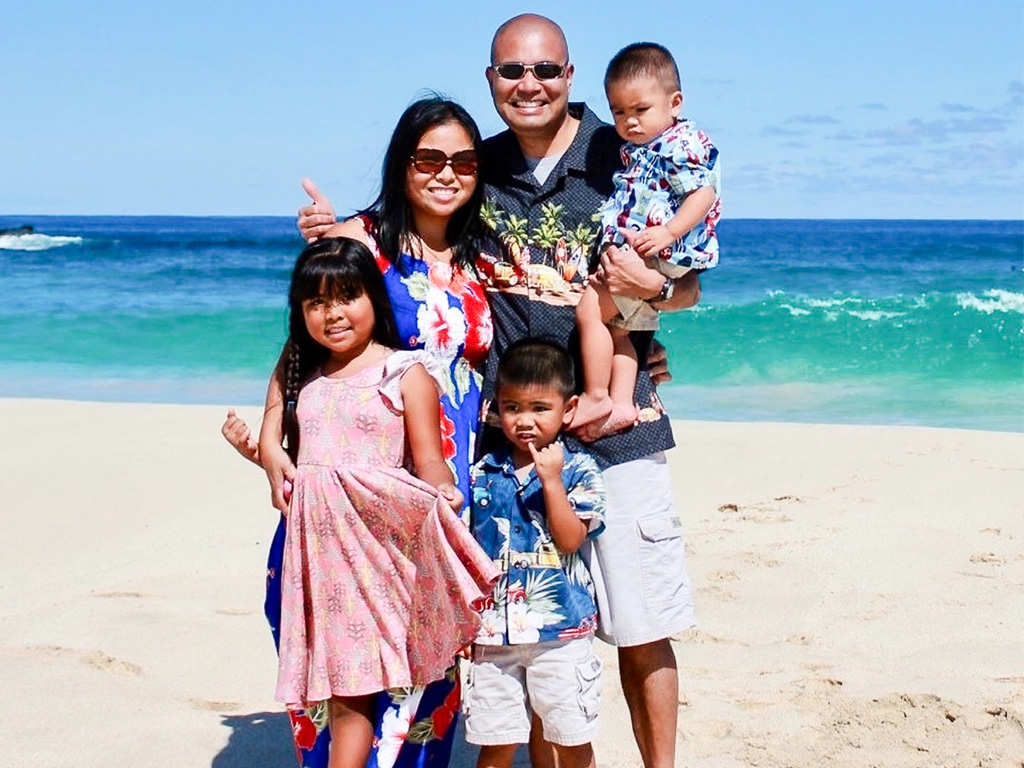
661, 557
588, 688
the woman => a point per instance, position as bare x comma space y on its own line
424, 228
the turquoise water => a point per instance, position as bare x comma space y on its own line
876, 322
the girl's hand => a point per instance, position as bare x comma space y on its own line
279, 468
548, 462
452, 494
317, 218
237, 433
653, 241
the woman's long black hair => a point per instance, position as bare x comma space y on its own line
392, 209
337, 268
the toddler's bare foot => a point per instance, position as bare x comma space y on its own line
590, 410
623, 416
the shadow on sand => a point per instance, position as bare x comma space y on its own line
263, 739
257, 739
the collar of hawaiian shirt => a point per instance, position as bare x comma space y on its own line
513, 164
663, 145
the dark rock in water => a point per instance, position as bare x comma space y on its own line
26, 229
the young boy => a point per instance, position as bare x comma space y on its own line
668, 194
534, 505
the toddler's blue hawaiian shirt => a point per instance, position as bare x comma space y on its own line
656, 179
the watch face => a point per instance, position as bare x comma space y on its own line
666, 290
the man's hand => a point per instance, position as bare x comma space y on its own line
653, 241
625, 273
315, 219
548, 462
657, 363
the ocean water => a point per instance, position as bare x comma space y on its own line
872, 322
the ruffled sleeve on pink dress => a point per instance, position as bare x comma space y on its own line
396, 366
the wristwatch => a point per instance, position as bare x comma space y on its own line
667, 289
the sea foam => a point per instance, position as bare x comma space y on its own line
36, 242
993, 301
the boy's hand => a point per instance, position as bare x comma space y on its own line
548, 462
452, 494
653, 241
237, 433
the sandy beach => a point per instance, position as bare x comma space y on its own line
860, 593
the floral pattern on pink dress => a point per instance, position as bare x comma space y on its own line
379, 573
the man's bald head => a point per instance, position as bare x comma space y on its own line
528, 24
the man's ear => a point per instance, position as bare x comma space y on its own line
570, 410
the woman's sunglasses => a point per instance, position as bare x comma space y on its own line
433, 161
514, 70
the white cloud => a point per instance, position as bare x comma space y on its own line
777, 130
958, 108
813, 120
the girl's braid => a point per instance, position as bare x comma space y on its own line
290, 421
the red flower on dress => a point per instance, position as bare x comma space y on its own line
303, 730
442, 327
479, 330
440, 275
448, 448
444, 715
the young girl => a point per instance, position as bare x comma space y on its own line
668, 194
379, 572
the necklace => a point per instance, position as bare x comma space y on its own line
428, 254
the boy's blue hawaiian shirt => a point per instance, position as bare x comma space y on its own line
543, 594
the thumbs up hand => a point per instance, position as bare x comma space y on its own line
317, 217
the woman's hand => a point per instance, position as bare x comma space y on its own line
315, 219
279, 468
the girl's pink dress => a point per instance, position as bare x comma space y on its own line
379, 573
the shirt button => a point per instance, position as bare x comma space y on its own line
517, 528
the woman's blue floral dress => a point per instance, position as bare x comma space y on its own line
441, 309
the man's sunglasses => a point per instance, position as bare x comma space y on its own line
433, 161
544, 70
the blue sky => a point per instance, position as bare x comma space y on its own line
820, 110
